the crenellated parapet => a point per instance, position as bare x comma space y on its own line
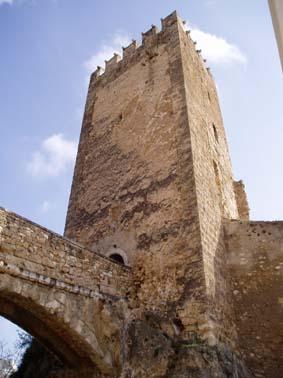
135, 51
168, 21
112, 63
130, 50
99, 71
150, 37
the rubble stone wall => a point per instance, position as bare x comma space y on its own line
255, 262
71, 299
242, 201
152, 186
153, 180
213, 182
133, 187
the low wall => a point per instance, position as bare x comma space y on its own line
37, 254
70, 298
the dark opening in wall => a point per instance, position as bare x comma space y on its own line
218, 183
208, 95
215, 132
118, 258
217, 178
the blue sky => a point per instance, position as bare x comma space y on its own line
49, 47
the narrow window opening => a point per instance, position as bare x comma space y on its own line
217, 178
218, 183
215, 132
208, 95
118, 258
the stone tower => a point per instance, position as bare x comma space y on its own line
152, 185
169, 278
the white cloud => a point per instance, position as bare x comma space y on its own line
55, 155
45, 207
106, 51
216, 49
6, 2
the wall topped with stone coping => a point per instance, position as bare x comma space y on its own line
70, 298
38, 254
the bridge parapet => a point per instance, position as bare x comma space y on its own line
39, 255
72, 299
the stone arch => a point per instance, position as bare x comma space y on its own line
70, 298
115, 251
118, 258
54, 319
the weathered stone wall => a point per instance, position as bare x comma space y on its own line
133, 186
153, 179
213, 181
152, 184
242, 201
30, 247
71, 299
255, 259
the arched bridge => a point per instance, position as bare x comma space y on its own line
72, 299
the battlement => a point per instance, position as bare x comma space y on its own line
150, 36
112, 62
152, 185
168, 21
133, 51
130, 50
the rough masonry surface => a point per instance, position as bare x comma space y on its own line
153, 189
